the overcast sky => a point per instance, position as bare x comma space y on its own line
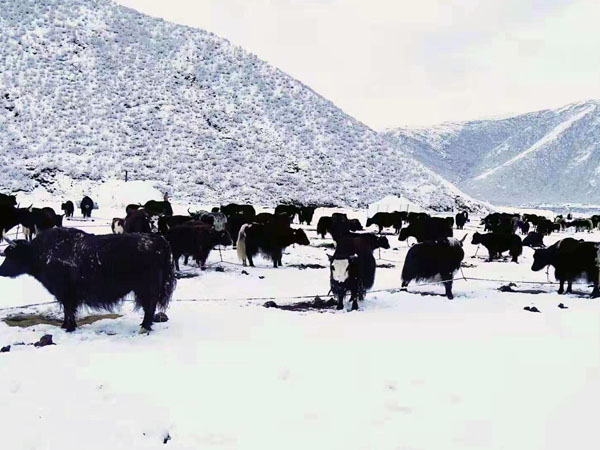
415, 62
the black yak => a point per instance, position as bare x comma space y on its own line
139, 221
572, 260
195, 239
158, 208
234, 209
534, 240
68, 208
461, 220
427, 229
352, 267
86, 206
306, 214
287, 210
498, 243
387, 219
268, 239
430, 259
35, 220
324, 225
96, 271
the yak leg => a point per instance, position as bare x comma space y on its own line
448, 285
404, 285
69, 323
250, 262
340, 304
561, 287
176, 261
354, 299
570, 287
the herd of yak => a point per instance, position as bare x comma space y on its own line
142, 254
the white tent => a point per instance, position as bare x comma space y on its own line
393, 203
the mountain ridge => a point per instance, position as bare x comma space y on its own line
550, 156
91, 89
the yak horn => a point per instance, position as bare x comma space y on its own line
464, 237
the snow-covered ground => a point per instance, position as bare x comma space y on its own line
409, 370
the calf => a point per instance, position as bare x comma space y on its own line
572, 260
196, 240
534, 240
86, 206
430, 259
497, 243
96, 270
427, 229
68, 208
268, 239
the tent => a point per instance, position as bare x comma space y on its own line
393, 203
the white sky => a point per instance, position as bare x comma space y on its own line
415, 62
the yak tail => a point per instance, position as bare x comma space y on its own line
168, 286
241, 244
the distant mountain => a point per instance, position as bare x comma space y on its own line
89, 89
550, 156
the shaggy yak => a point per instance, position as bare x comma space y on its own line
96, 270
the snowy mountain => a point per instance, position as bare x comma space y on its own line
550, 156
90, 89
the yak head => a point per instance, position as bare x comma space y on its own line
541, 259
404, 234
339, 268
300, 237
476, 239
223, 237
382, 242
18, 259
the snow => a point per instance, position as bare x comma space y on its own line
405, 371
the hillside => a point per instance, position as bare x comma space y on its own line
90, 89
544, 157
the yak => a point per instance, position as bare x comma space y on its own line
461, 219
197, 240
68, 208
306, 214
269, 239
86, 206
427, 260
498, 243
572, 260
427, 229
98, 271
534, 240
352, 267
